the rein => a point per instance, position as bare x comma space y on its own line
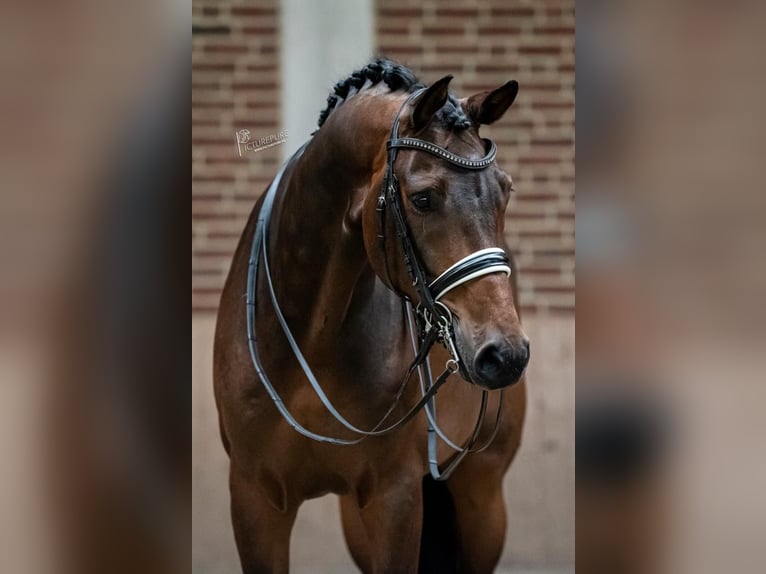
433, 318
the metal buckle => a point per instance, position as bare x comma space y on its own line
443, 326
424, 319
446, 334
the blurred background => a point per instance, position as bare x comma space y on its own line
268, 66
670, 283
94, 398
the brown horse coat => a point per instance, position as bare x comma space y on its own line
351, 328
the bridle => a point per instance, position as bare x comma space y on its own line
433, 318
432, 313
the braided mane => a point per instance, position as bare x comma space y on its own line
396, 77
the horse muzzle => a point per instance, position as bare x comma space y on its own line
493, 362
499, 363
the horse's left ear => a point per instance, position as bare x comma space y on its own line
432, 100
488, 107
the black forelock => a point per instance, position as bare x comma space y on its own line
453, 116
396, 77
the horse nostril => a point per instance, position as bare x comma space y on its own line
490, 362
499, 364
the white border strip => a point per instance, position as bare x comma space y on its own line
480, 273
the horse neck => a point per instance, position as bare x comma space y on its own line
320, 266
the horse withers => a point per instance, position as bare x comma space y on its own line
374, 254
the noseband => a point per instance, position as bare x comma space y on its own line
433, 318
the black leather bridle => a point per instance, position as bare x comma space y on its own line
433, 318
430, 311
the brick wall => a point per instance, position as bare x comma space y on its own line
482, 42
235, 84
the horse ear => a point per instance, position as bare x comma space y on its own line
488, 107
430, 102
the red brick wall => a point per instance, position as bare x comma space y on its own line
482, 42
235, 84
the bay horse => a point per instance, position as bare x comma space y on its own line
337, 295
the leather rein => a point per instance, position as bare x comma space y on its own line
432, 317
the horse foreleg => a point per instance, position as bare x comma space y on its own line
261, 527
481, 518
392, 519
354, 532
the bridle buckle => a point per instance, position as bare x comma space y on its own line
439, 323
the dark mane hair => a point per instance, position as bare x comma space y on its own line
396, 77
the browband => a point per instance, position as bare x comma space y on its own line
440, 152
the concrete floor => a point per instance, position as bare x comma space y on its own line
539, 487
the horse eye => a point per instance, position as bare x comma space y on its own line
421, 200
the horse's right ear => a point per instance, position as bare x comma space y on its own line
487, 107
430, 102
